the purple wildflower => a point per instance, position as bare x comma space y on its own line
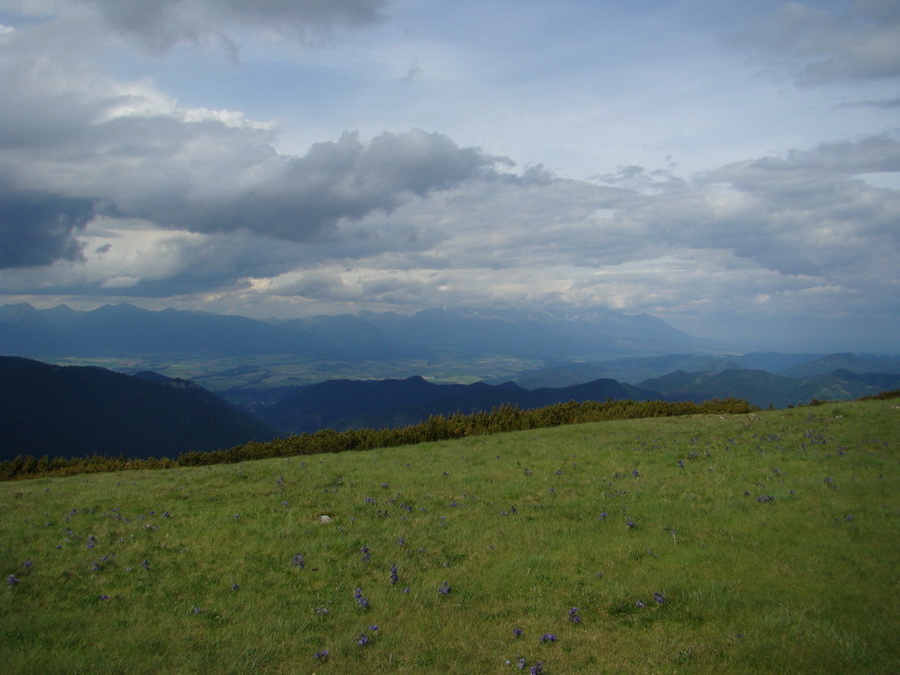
373, 628
299, 561
573, 615
444, 589
12, 580
361, 601
321, 656
659, 597
517, 632
635, 473
362, 640
365, 553
548, 637
394, 577
235, 587
537, 668
640, 603
629, 522
321, 610
104, 597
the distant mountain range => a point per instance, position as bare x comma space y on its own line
72, 411
765, 389
126, 329
346, 404
591, 355
637, 370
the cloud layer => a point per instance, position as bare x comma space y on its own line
112, 187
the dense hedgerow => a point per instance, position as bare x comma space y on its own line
436, 428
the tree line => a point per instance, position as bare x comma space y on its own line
437, 428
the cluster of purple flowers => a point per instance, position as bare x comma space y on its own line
394, 577
548, 638
573, 615
321, 656
299, 561
361, 601
659, 597
365, 553
444, 589
12, 580
517, 632
363, 639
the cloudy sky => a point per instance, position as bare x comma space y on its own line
730, 167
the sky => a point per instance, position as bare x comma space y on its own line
730, 167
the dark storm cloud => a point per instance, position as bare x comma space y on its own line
162, 24
139, 155
38, 228
296, 198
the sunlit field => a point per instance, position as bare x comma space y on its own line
764, 542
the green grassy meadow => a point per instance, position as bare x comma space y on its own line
755, 543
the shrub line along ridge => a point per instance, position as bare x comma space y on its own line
437, 428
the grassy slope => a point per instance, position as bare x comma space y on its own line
804, 583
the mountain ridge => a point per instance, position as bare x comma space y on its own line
124, 329
72, 411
